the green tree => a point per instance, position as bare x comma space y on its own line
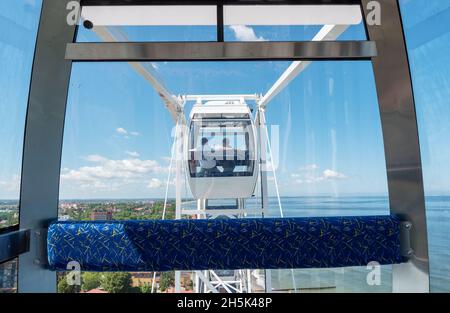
167, 280
64, 287
90, 280
145, 288
116, 282
135, 289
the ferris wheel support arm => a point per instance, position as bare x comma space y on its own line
328, 32
146, 70
229, 97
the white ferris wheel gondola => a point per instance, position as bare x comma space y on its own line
221, 150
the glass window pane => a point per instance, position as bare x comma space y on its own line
291, 22
330, 162
149, 23
427, 31
18, 27
292, 14
157, 15
330, 147
325, 136
224, 146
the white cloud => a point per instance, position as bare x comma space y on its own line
122, 131
310, 174
155, 183
11, 185
245, 33
330, 174
166, 158
105, 177
133, 154
105, 171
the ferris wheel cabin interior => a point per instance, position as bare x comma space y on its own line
224, 146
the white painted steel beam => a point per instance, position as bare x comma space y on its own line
146, 70
328, 32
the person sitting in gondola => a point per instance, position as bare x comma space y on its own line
228, 163
208, 163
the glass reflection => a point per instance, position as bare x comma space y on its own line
18, 29
327, 160
427, 32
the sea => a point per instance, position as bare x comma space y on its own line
355, 279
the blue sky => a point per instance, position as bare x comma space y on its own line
115, 117
18, 24
118, 133
427, 26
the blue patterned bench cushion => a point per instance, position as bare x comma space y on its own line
269, 243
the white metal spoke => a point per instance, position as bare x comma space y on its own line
206, 282
146, 70
328, 32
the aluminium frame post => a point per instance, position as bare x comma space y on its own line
43, 141
401, 141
